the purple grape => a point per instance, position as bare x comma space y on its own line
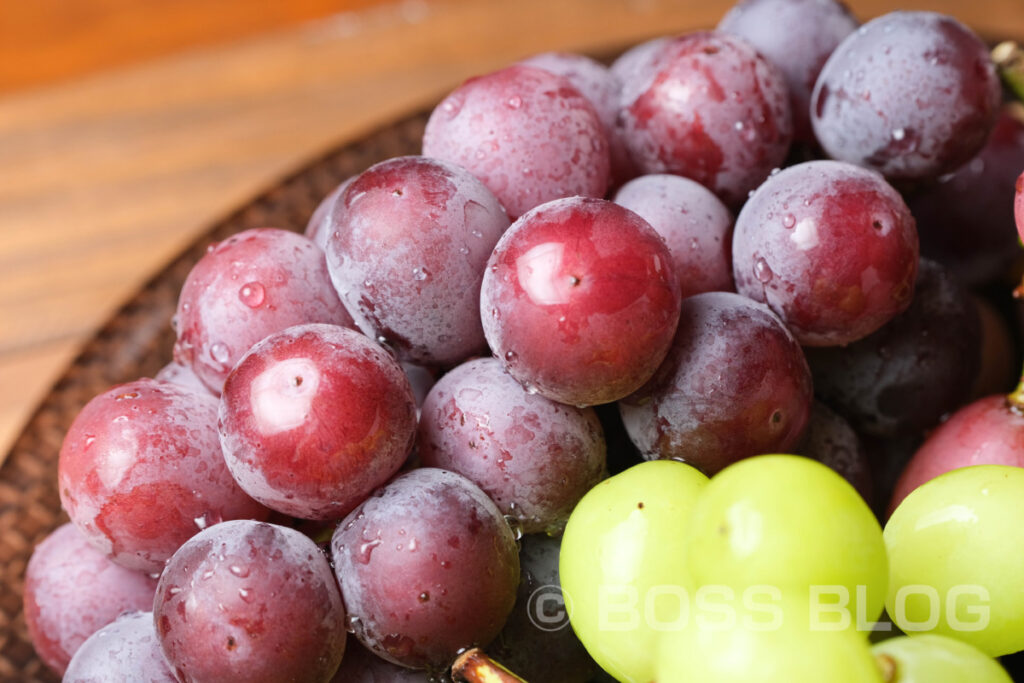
250, 601
527, 133
535, 458
428, 566
918, 367
709, 108
830, 440
735, 384
966, 220
830, 247
601, 86
537, 642
319, 226
410, 240
696, 225
141, 471
249, 286
71, 590
362, 666
125, 651
910, 94
797, 36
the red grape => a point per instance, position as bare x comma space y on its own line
918, 367
696, 225
711, 109
527, 133
251, 285
249, 601
580, 301
735, 384
830, 247
141, 471
911, 94
428, 566
314, 418
176, 373
410, 239
830, 440
797, 36
319, 226
125, 651
71, 590
535, 458
362, 666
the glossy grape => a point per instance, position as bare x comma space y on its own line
141, 471
936, 659
756, 520
250, 601
314, 418
320, 226
830, 247
830, 440
71, 590
252, 284
709, 108
624, 544
527, 133
580, 301
696, 225
735, 384
125, 651
910, 94
956, 545
535, 458
410, 237
797, 36
916, 368
989, 431
428, 566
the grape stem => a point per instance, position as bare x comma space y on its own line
888, 667
1009, 60
473, 666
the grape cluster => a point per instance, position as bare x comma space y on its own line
386, 444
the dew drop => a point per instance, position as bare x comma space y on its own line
510, 356
762, 271
899, 134
514, 102
366, 550
788, 221
239, 570
477, 234
252, 294
424, 596
245, 594
219, 352
201, 522
420, 273
463, 250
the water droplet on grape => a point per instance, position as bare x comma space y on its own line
252, 294
510, 356
366, 550
245, 594
219, 353
238, 570
477, 234
420, 273
762, 271
514, 102
788, 221
424, 596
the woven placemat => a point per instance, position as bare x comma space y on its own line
137, 342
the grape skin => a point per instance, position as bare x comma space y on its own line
250, 601
938, 659
176, 373
125, 651
910, 94
141, 470
319, 226
734, 384
535, 458
428, 566
830, 440
72, 590
830, 247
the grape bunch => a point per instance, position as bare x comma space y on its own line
693, 368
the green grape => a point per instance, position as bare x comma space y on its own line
936, 659
764, 641
956, 558
793, 524
623, 564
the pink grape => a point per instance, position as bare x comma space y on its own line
125, 651
183, 375
319, 226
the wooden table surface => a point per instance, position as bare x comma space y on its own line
105, 177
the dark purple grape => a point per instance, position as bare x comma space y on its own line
249, 601
830, 440
428, 566
830, 247
966, 220
710, 108
797, 36
71, 590
696, 225
537, 643
908, 374
410, 240
535, 458
735, 384
910, 94
125, 651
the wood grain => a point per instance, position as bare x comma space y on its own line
104, 179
